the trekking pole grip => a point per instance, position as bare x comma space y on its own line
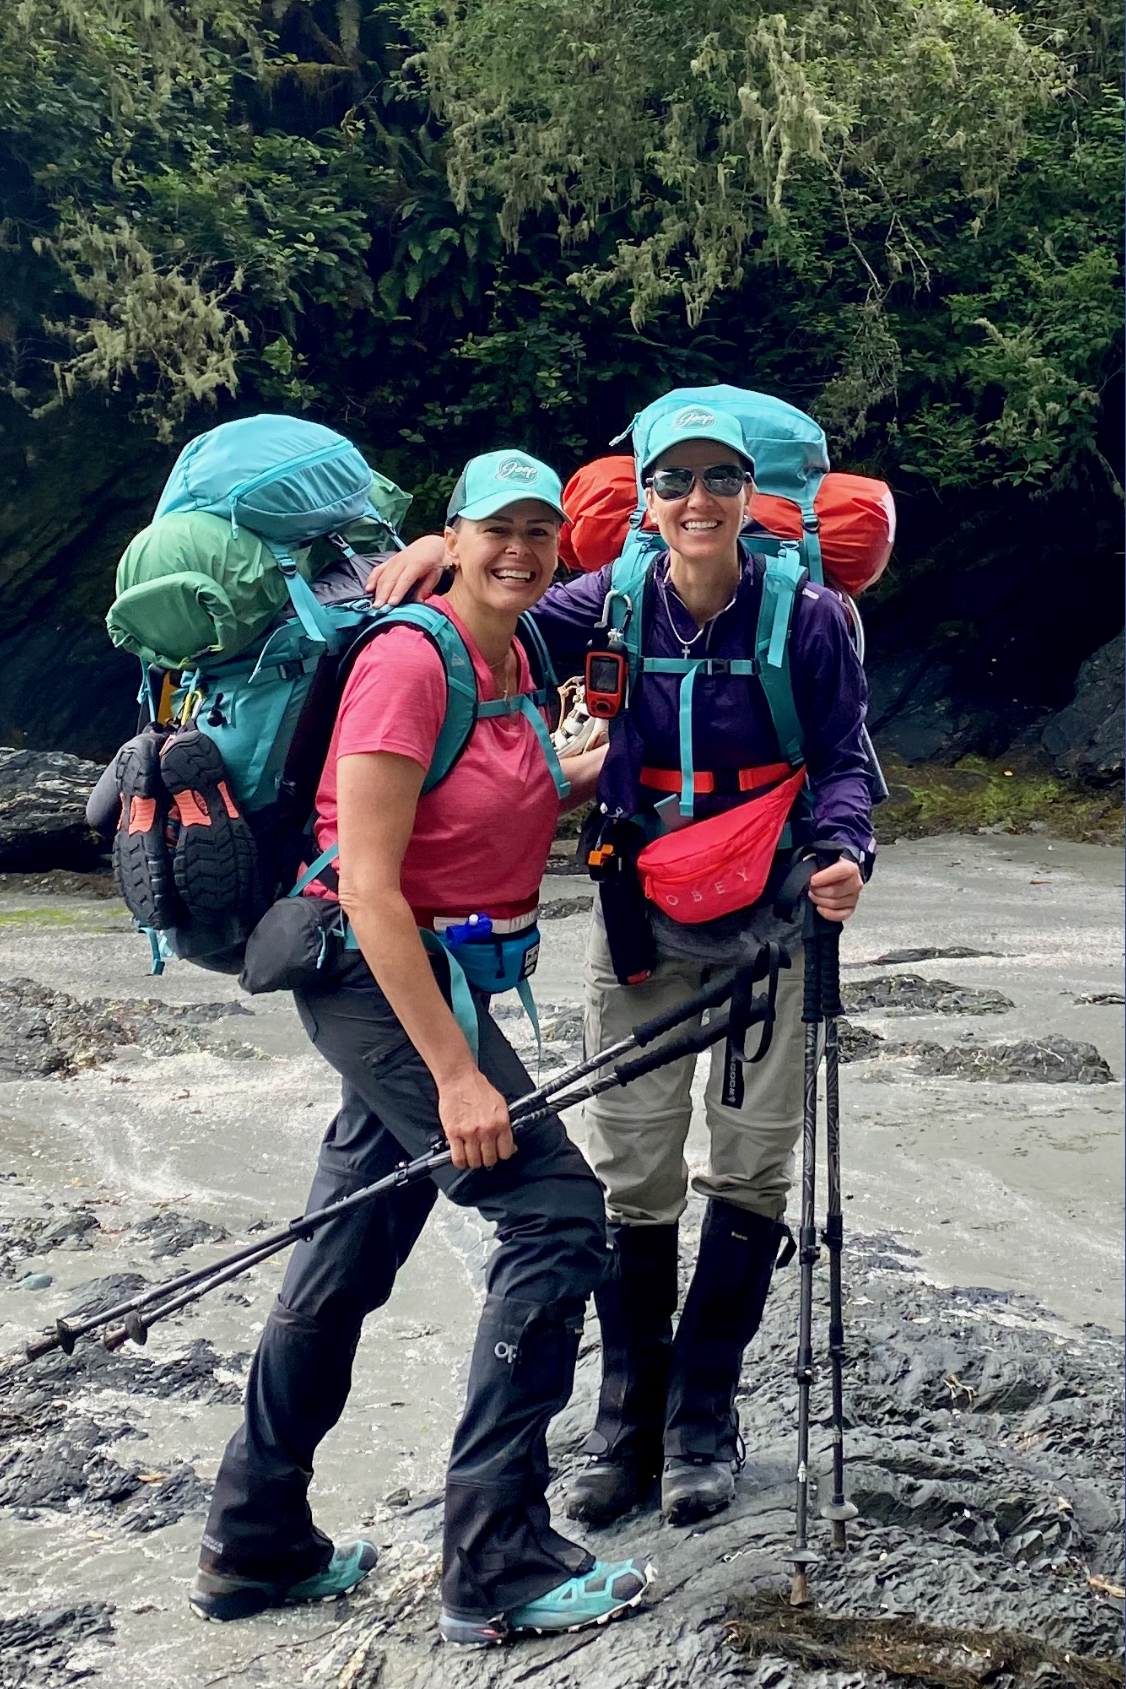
715, 992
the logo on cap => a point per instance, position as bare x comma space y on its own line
693, 417
514, 469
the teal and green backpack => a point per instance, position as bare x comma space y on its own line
244, 601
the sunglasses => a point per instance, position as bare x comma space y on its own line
722, 480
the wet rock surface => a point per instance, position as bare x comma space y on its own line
927, 953
559, 908
97, 1294
561, 1031
31, 1235
167, 1501
1053, 1060
45, 1033
43, 811
984, 1453
911, 994
171, 1233
38, 1650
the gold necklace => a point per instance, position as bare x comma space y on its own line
501, 681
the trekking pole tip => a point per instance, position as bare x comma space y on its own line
42, 1346
799, 1588
840, 1537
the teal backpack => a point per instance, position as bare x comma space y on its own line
270, 706
791, 460
288, 480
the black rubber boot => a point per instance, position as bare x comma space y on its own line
635, 1304
722, 1312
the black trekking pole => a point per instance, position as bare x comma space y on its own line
139, 1322
821, 1005
802, 1555
157, 1302
837, 1510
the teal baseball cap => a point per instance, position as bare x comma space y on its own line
696, 422
497, 479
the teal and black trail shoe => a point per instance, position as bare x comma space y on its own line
610, 1588
225, 1596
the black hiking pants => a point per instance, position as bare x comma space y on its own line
499, 1548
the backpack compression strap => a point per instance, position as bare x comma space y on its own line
780, 585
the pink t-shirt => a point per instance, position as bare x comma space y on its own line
481, 837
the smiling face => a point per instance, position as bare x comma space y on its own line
504, 562
701, 527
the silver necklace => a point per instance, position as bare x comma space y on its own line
687, 644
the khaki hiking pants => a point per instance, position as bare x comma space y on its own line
635, 1136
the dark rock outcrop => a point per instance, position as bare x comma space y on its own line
1053, 1060
45, 1033
36, 1648
43, 811
1040, 1061
911, 994
171, 1233
1086, 738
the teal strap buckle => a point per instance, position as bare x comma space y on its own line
305, 605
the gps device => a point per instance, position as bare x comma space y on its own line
605, 683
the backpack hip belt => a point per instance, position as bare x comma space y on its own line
722, 782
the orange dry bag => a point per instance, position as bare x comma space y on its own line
600, 497
857, 517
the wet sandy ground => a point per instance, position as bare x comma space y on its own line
1009, 1186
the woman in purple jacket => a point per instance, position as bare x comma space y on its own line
667, 1404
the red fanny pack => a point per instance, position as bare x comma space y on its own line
717, 866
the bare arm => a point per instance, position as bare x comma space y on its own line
418, 564
582, 770
377, 794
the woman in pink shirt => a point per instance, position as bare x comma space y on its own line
414, 866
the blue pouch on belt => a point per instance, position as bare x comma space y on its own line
489, 963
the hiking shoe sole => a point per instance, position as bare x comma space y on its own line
215, 863
225, 1597
142, 861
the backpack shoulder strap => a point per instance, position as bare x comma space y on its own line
623, 616
546, 693
461, 681
782, 580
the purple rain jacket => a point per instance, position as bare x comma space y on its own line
732, 727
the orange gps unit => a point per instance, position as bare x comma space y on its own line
605, 683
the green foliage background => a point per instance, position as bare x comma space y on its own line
444, 227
